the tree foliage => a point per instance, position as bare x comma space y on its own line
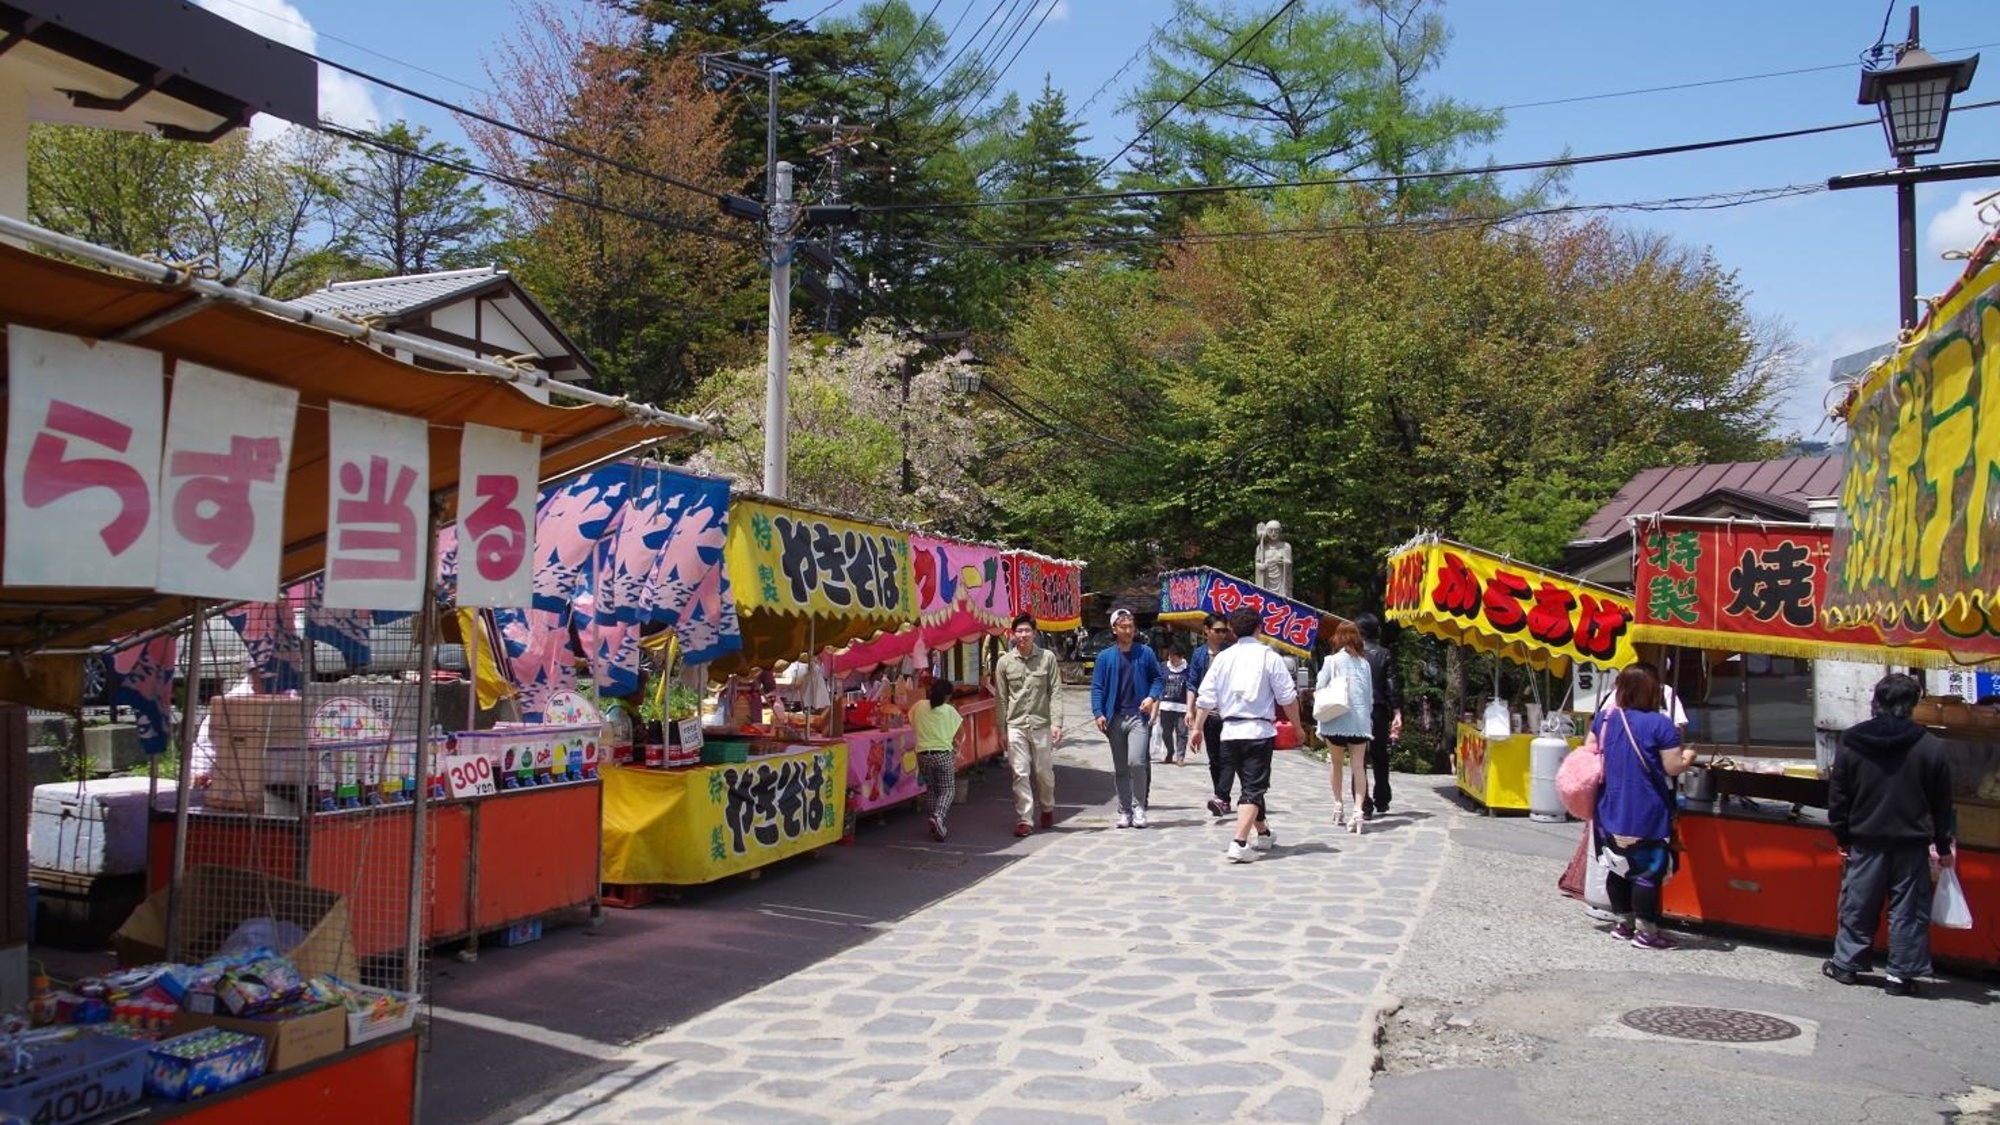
630, 265
255, 211
1379, 379
403, 209
859, 409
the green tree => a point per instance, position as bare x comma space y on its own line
254, 211
1044, 161
1318, 92
403, 210
1377, 379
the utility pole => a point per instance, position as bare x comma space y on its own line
783, 223
842, 138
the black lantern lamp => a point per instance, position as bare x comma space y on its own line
1914, 97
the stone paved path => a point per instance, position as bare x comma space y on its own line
1109, 976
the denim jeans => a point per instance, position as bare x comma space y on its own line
1130, 766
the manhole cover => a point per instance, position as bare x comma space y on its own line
1710, 1025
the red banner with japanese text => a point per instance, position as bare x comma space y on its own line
1051, 589
1506, 608
1747, 587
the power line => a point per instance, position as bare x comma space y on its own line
988, 78
911, 44
1715, 201
266, 13
1287, 6
1440, 174
1159, 29
1710, 82
509, 126
466, 167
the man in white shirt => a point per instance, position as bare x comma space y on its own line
1247, 685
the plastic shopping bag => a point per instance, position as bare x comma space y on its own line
1594, 891
1948, 906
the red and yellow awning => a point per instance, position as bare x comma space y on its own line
1498, 606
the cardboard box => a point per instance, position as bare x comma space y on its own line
290, 1039
201, 1063
243, 729
219, 899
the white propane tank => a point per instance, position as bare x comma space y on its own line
1545, 759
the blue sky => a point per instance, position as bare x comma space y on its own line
1822, 264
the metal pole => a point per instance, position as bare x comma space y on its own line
772, 191
185, 782
777, 437
1906, 241
421, 807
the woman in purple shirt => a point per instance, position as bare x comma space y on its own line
1635, 816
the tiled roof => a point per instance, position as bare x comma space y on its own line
393, 295
1785, 484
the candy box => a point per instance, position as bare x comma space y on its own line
293, 1036
202, 1062
375, 1012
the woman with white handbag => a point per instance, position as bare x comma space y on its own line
1343, 708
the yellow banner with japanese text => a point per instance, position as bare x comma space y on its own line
800, 562
698, 824
1915, 544
1505, 608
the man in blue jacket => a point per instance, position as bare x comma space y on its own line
1124, 689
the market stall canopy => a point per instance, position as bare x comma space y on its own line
1747, 586
1505, 608
1047, 589
1916, 548
323, 367
1188, 596
805, 580
962, 592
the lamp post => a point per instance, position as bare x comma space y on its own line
1914, 98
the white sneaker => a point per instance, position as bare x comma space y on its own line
1139, 816
1263, 841
1124, 820
1241, 853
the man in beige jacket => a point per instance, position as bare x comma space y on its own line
1030, 706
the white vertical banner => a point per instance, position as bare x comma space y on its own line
222, 485
377, 509
497, 474
83, 461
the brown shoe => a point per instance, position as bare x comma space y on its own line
1048, 819
1023, 828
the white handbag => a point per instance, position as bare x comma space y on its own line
1330, 700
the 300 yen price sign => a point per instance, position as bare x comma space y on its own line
469, 775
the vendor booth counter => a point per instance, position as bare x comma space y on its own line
697, 824
980, 738
1766, 870
373, 1082
496, 860
881, 770
1496, 772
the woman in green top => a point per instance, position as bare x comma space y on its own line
936, 722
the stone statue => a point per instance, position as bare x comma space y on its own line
1274, 559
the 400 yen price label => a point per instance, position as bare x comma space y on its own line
469, 775
80, 1098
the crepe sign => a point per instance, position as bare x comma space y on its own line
83, 462
1049, 589
222, 487
1916, 547
1742, 587
792, 561
1501, 607
953, 576
1188, 595
377, 507
497, 485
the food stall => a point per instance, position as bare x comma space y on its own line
220, 447
1545, 621
1916, 577
1188, 596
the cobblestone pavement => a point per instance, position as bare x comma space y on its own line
1110, 976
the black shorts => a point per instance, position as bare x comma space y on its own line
1250, 761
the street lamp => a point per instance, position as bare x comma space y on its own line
1914, 98
965, 372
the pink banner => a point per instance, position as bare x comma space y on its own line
953, 576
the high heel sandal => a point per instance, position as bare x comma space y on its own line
1354, 825
1339, 813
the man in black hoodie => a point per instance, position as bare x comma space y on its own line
1889, 803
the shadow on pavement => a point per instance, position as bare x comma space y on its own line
646, 970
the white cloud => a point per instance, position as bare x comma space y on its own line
1059, 11
1958, 227
343, 98
1804, 409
